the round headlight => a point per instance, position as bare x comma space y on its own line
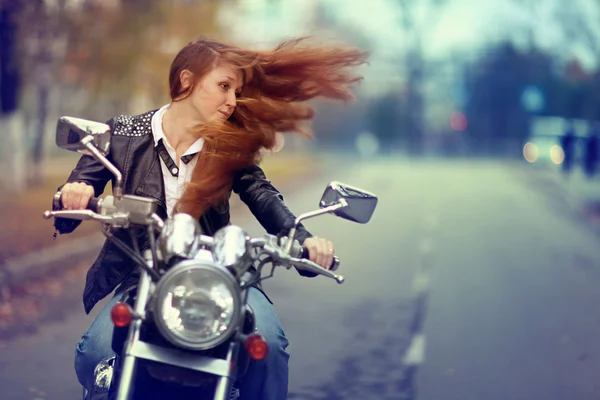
197, 305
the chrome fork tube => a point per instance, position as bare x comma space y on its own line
133, 336
225, 383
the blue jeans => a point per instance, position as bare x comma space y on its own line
266, 379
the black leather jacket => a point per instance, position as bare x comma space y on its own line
133, 152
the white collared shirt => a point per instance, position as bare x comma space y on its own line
174, 185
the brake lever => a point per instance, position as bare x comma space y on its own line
82, 215
307, 265
271, 245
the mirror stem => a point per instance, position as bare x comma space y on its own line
118, 187
332, 208
290, 242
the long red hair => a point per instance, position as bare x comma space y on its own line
276, 85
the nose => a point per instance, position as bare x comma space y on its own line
231, 100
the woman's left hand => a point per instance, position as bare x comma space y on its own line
320, 251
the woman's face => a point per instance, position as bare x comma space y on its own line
214, 96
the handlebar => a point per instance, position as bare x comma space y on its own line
268, 244
94, 204
298, 258
117, 212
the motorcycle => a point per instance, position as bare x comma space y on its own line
186, 330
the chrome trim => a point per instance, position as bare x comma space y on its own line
103, 375
128, 369
225, 389
180, 237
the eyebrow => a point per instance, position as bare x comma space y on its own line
233, 80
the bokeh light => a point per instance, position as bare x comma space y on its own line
557, 154
531, 152
458, 121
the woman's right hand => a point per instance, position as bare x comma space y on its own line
76, 196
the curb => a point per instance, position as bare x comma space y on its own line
18, 270
35, 265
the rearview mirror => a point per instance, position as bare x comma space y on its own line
75, 133
361, 204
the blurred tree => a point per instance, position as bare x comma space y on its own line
336, 125
575, 93
415, 24
579, 26
104, 47
414, 62
10, 77
389, 118
182, 21
575, 22
494, 110
42, 46
11, 146
96, 58
122, 53
416, 17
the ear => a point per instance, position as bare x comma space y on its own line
186, 78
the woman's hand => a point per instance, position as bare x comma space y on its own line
320, 251
76, 196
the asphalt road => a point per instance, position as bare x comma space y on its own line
468, 283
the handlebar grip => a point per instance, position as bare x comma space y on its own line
94, 204
335, 264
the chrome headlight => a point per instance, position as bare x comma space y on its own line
179, 237
197, 305
231, 249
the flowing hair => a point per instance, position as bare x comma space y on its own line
276, 85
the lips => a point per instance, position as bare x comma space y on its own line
226, 115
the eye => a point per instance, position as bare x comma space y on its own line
225, 86
238, 94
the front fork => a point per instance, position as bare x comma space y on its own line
224, 383
128, 368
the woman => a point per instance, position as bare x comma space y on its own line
227, 103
